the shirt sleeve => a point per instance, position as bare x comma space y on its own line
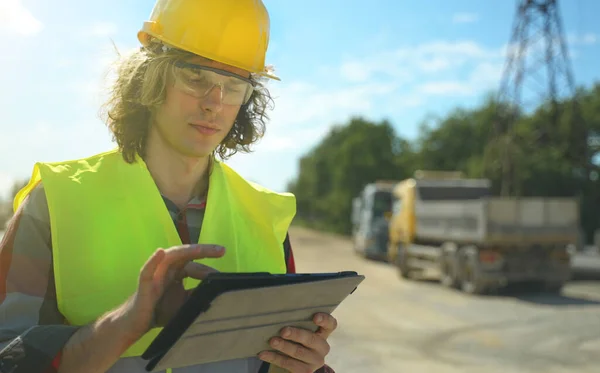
32, 330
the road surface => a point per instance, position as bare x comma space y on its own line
393, 325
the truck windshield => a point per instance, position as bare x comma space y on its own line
382, 202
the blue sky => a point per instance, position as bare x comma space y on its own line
400, 60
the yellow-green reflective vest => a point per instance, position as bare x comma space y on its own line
107, 218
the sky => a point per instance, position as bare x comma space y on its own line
399, 60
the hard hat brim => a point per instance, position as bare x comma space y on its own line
144, 38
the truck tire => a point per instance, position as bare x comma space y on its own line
449, 267
357, 249
402, 263
554, 287
470, 278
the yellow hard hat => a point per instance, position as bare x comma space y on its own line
233, 32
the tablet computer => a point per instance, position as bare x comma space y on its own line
233, 315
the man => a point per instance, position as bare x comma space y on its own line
103, 250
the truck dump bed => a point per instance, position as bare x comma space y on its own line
463, 211
532, 219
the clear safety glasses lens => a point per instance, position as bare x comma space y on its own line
199, 81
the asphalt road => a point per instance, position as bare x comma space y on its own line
394, 325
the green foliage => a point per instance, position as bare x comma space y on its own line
335, 171
545, 160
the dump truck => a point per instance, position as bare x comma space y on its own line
371, 210
446, 224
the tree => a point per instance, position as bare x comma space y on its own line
335, 171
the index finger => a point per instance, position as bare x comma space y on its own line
185, 253
178, 256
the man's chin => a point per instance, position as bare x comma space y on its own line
197, 153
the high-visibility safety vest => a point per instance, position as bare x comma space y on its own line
108, 217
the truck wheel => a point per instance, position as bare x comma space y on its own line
402, 263
357, 249
554, 287
354, 244
449, 266
470, 278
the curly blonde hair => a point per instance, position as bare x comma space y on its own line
140, 86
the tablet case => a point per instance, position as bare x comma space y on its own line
238, 323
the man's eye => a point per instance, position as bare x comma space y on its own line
196, 80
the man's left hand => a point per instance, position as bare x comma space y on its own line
300, 350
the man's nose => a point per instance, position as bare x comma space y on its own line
213, 100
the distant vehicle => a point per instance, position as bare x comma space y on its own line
452, 226
371, 211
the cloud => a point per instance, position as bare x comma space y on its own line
358, 71
584, 39
483, 77
16, 19
446, 88
437, 68
303, 112
404, 64
292, 140
435, 64
102, 29
590, 38
465, 17
355, 72
468, 48
300, 102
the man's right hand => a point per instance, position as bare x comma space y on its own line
165, 270
96, 347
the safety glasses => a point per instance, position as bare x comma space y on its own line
199, 81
